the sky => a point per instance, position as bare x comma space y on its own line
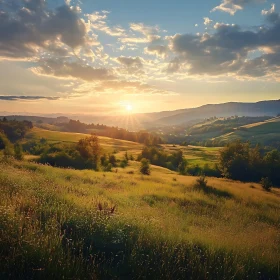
109, 57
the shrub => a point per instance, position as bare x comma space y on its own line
201, 182
124, 163
108, 167
182, 167
266, 184
18, 151
145, 167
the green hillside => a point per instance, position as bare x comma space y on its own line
70, 137
61, 224
265, 133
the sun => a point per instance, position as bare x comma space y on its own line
128, 107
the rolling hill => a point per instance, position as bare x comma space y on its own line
263, 108
265, 133
107, 143
69, 224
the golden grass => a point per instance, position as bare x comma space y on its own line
233, 217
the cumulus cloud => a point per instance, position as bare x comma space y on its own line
207, 21
227, 51
232, 6
25, 97
29, 27
73, 70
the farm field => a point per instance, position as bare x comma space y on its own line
92, 225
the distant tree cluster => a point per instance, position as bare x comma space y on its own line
86, 154
15, 130
159, 157
238, 161
112, 132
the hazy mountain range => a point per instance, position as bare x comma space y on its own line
167, 118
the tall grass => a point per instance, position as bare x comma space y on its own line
60, 224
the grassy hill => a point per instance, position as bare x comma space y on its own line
195, 155
61, 224
108, 144
264, 132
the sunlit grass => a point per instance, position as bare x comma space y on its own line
162, 228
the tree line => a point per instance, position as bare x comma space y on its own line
143, 137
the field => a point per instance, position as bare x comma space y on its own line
262, 132
62, 224
194, 155
108, 144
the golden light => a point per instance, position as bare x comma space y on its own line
128, 107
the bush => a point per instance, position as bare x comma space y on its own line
18, 151
124, 163
108, 167
266, 184
201, 182
145, 167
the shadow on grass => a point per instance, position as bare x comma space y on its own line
213, 191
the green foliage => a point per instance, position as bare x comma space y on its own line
182, 167
113, 160
266, 184
201, 182
240, 162
159, 157
124, 163
112, 132
4, 141
15, 130
18, 154
145, 167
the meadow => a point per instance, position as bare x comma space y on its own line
265, 133
68, 224
195, 155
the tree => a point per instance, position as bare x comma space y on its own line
145, 167
234, 161
182, 167
18, 154
4, 141
90, 149
266, 184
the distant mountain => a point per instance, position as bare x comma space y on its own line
262, 108
37, 119
164, 118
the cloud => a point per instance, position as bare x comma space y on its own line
227, 51
74, 70
149, 34
23, 97
207, 21
130, 62
119, 87
232, 6
158, 50
98, 22
28, 27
